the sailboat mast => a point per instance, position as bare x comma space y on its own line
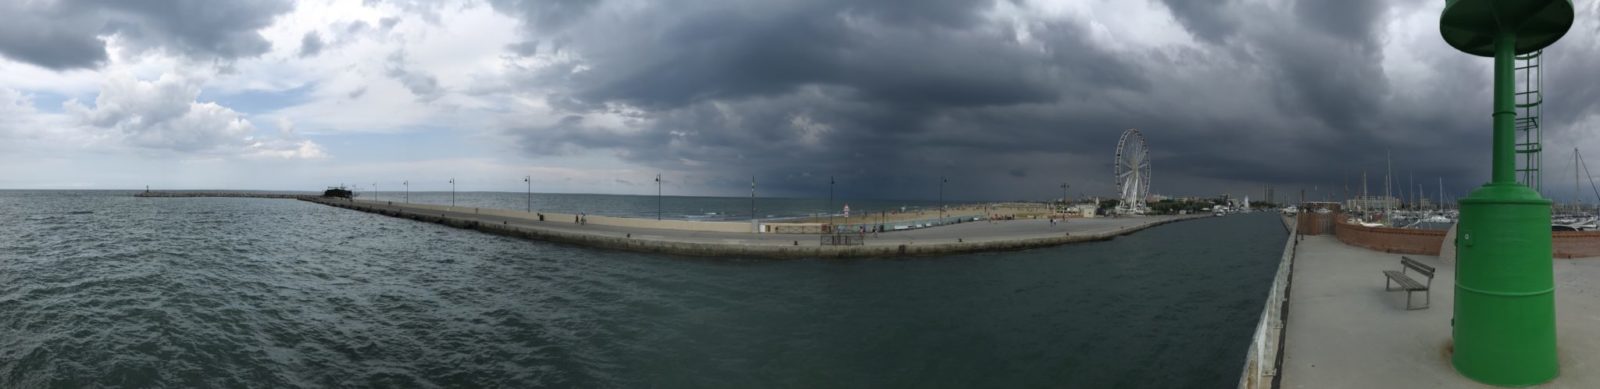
1388, 177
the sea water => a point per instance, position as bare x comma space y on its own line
105, 289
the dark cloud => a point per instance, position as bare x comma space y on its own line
890, 95
544, 15
526, 49
311, 44
1206, 19
68, 34
422, 85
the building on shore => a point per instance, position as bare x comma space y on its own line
1368, 203
1082, 210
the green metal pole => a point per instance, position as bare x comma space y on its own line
1505, 114
1504, 326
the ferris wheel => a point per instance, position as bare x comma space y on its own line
1133, 171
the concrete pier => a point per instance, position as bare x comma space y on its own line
668, 238
1345, 331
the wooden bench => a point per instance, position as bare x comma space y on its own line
1408, 284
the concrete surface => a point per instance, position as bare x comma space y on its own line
1345, 331
964, 237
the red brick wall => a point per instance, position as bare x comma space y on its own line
1390, 240
1567, 244
1576, 244
1312, 223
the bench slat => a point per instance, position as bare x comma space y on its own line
1405, 282
1417, 265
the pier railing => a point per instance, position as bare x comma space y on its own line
844, 239
871, 225
1265, 357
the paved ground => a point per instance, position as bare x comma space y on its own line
964, 232
1345, 331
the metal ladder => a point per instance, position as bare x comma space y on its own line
1529, 137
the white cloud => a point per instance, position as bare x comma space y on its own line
15, 110
382, 69
163, 115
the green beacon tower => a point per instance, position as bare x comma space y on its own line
1505, 316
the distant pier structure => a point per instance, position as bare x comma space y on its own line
221, 193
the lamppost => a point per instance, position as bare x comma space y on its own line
658, 196
529, 180
1064, 187
452, 192
374, 191
1504, 329
942, 181
407, 184
752, 199
830, 202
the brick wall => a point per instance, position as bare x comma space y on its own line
1576, 244
1390, 240
1313, 223
1567, 244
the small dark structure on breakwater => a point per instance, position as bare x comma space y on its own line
339, 192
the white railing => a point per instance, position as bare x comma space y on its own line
1261, 366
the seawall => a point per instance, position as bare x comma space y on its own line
219, 193
1565, 244
1264, 360
527, 229
1389, 240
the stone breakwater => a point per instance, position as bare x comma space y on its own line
653, 241
259, 195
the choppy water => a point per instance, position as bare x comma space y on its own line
107, 290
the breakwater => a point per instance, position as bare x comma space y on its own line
704, 244
221, 193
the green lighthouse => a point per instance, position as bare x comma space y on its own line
1504, 326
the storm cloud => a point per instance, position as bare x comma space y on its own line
71, 34
890, 95
1008, 99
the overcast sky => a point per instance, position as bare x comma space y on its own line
1007, 98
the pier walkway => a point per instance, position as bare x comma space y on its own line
1345, 331
957, 238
